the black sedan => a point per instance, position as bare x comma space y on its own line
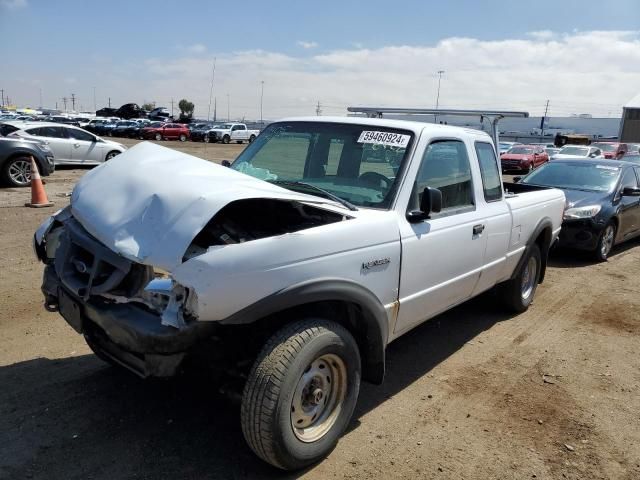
603, 201
199, 131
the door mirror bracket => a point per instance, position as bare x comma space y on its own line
430, 202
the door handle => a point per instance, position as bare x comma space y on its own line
478, 229
77, 145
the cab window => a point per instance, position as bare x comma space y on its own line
445, 166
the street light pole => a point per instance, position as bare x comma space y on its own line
261, 97
440, 72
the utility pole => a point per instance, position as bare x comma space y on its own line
2, 92
440, 72
318, 109
40, 97
544, 118
213, 76
73, 101
228, 109
109, 102
215, 109
94, 99
64, 101
261, 97
172, 108
56, 105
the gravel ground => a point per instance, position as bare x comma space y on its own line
472, 394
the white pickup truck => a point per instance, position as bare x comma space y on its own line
230, 132
324, 241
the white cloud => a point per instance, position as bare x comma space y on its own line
579, 72
196, 48
13, 4
307, 45
542, 34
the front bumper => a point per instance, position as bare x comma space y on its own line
580, 234
77, 282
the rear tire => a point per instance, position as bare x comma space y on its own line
252, 138
182, 138
605, 242
111, 155
301, 393
518, 293
158, 137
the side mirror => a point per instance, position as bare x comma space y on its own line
225, 163
631, 192
516, 179
593, 155
431, 202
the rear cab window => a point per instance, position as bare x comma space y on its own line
491, 181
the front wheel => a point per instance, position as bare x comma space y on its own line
226, 139
605, 242
518, 292
17, 172
301, 393
158, 137
111, 155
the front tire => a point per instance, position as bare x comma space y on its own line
226, 139
518, 292
17, 172
158, 137
605, 242
301, 393
111, 155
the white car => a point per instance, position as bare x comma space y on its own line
70, 145
231, 132
297, 265
577, 151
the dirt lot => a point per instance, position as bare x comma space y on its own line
550, 394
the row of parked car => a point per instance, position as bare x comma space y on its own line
144, 129
521, 158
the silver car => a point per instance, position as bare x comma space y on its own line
577, 151
70, 145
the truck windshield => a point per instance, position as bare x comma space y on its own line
357, 163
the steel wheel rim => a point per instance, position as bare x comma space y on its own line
607, 241
529, 278
318, 398
158, 137
20, 172
111, 155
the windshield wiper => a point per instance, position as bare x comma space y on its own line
325, 193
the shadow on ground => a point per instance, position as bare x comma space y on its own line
77, 418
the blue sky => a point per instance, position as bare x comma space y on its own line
119, 46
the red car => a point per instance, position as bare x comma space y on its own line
167, 131
612, 150
523, 158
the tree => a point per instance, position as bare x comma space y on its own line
148, 106
186, 108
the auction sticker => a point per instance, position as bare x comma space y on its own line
384, 138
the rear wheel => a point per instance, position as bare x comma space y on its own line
518, 292
605, 242
158, 137
252, 138
182, 137
301, 393
17, 172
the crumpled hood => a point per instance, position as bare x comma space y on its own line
148, 203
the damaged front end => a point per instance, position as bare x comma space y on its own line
133, 314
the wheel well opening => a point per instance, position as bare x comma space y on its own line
349, 314
543, 240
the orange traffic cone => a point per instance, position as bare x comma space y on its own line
38, 195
